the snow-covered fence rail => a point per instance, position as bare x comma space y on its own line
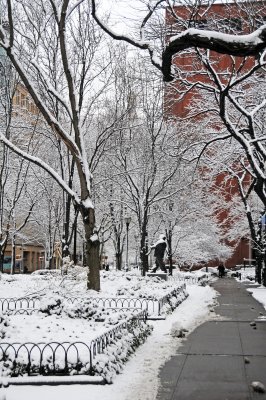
153, 306
23, 303
189, 280
75, 357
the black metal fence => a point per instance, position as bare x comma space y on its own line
189, 280
23, 303
62, 358
151, 306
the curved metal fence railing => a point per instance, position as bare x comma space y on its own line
189, 280
61, 358
151, 306
14, 303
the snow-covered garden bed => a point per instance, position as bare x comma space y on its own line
59, 339
52, 324
119, 290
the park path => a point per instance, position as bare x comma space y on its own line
222, 357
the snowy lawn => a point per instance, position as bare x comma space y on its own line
80, 336
138, 380
119, 290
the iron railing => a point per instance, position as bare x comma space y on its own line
152, 306
61, 358
189, 280
14, 303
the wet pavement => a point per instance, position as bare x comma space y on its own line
222, 357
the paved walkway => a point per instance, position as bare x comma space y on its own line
222, 357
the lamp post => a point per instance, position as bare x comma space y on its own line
263, 240
127, 221
169, 234
136, 246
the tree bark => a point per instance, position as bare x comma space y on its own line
235, 45
92, 249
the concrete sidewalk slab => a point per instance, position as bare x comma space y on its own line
222, 357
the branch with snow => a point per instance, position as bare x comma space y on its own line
42, 164
235, 45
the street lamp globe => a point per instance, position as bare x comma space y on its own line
127, 220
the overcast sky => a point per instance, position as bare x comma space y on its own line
123, 13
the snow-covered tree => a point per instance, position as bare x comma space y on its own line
56, 50
162, 57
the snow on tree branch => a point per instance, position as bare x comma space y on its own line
42, 164
235, 45
141, 44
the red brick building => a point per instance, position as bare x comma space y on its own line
184, 97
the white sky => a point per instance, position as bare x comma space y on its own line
124, 14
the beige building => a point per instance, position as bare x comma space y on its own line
29, 258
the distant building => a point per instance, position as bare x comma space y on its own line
28, 258
227, 17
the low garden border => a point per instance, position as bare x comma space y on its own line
189, 280
151, 306
67, 357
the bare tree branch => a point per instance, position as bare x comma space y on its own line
235, 45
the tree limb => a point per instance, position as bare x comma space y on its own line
235, 45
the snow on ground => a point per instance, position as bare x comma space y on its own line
138, 380
248, 277
113, 283
51, 329
259, 294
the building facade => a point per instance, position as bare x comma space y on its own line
29, 258
183, 98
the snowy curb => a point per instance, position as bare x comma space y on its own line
53, 380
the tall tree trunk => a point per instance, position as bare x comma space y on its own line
118, 254
92, 250
1, 259
118, 260
143, 253
75, 244
13, 255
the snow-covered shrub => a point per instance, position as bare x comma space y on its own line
4, 324
78, 273
110, 363
144, 287
81, 309
52, 305
91, 310
84, 308
9, 278
173, 300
